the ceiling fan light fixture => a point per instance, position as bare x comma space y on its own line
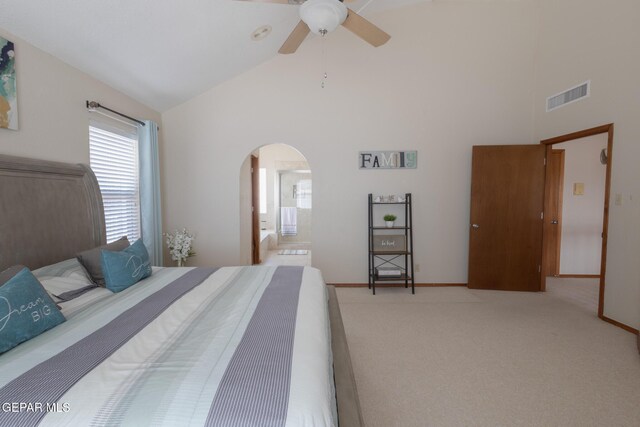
323, 16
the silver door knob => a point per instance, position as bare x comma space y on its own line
475, 225
554, 221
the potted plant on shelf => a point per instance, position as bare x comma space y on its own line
389, 220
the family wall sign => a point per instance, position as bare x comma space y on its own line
388, 160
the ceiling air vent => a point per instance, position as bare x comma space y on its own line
567, 97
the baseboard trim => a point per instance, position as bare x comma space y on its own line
620, 325
396, 285
578, 276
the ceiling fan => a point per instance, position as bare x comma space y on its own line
322, 17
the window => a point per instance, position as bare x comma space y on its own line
113, 156
263, 190
303, 194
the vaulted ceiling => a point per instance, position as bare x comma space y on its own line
161, 52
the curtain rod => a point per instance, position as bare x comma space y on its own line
92, 105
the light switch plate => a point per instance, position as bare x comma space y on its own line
618, 199
578, 188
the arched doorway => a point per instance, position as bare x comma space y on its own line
276, 206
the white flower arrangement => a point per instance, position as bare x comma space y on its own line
179, 243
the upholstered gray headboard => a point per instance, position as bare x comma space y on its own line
48, 211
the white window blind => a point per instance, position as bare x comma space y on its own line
114, 160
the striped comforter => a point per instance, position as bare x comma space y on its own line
237, 346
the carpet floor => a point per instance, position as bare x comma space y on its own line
460, 357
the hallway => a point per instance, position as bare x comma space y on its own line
582, 293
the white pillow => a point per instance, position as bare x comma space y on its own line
67, 268
64, 276
60, 285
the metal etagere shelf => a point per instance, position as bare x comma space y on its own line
399, 260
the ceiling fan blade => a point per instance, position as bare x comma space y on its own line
295, 39
365, 29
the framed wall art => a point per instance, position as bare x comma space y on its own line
8, 95
388, 159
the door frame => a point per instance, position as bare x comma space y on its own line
608, 129
255, 210
547, 199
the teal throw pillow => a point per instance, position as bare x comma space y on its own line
126, 267
26, 310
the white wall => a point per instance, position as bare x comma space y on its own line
53, 119
581, 243
453, 75
599, 42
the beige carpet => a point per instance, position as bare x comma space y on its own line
457, 357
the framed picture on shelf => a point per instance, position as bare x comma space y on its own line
390, 242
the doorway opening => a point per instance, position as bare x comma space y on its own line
280, 207
576, 215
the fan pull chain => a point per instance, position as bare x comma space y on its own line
324, 59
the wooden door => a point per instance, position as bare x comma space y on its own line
552, 227
255, 210
505, 238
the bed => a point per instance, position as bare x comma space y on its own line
249, 345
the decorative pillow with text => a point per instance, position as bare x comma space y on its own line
26, 310
126, 267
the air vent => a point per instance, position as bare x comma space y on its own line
567, 97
